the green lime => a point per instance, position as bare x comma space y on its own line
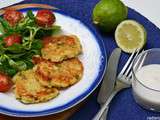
130, 36
107, 14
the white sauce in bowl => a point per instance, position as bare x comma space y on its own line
149, 75
146, 89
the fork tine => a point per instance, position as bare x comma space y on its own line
142, 61
130, 74
126, 65
136, 65
130, 65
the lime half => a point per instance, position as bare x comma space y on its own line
130, 36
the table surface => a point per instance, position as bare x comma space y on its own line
123, 107
148, 8
145, 7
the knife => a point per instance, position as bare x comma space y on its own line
109, 79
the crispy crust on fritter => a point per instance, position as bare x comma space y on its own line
61, 47
61, 74
29, 90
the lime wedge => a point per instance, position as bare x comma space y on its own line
130, 36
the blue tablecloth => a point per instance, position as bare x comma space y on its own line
123, 107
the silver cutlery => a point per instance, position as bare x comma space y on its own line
122, 81
109, 79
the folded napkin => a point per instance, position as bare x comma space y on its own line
6, 3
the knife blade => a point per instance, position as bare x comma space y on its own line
109, 79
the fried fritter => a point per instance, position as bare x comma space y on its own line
29, 90
59, 48
60, 74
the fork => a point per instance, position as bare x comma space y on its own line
123, 81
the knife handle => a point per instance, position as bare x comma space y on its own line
104, 115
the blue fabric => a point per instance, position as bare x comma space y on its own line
123, 106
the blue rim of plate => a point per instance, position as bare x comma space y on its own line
81, 97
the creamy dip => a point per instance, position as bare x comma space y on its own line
146, 89
149, 75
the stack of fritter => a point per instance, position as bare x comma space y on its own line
57, 68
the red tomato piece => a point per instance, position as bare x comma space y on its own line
37, 59
45, 18
11, 39
13, 16
5, 82
47, 40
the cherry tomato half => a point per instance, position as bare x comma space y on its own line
45, 18
11, 39
12, 16
5, 82
46, 40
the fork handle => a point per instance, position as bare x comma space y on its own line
104, 115
105, 106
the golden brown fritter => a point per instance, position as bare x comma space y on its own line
29, 90
61, 74
61, 47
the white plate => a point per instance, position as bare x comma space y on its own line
94, 62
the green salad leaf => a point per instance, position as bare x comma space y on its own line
18, 57
1, 29
6, 68
42, 32
30, 15
19, 65
15, 48
5, 26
